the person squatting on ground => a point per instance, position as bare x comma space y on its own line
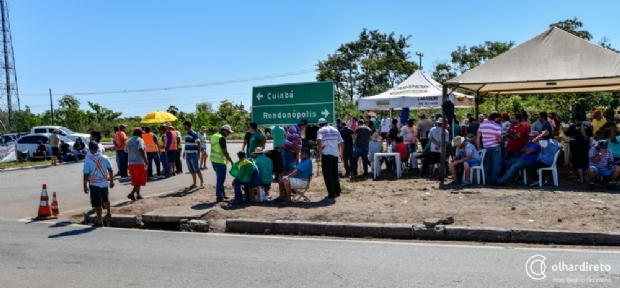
97, 177
296, 179
191, 154
330, 146
246, 175
137, 163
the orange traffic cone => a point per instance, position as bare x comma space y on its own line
55, 210
45, 211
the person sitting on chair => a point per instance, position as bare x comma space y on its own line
296, 179
602, 164
466, 156
265, 167
402, 149
79, 149
65, 151
41, 150
245, 174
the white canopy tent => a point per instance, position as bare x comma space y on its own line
417, 92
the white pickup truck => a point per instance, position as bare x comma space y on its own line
64, 131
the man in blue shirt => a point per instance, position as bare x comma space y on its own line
296, 179
191, 154
549, 147
97, 177
529, 155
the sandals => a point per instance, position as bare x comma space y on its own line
192, 187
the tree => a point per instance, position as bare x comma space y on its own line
369, 65
173, 110
465, 59
68, 101
443, 72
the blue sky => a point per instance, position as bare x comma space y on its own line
97, 46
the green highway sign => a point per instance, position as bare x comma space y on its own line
286, 104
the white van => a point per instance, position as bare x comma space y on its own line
64, 131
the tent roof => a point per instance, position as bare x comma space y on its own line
553, 62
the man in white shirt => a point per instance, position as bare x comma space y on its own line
386, 124
435, 137
331, 146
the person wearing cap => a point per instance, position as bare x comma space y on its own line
579, 136
292, 145
54, 141
424, 127
490, 136
265, 167
245, 174
171, 147
597, 121
191, 154
602, 165
257, 138
121, 141
517, 138
137, 163
466, 156
434, 136
331, 145
152, 152
549, 147
362, 137
529, 155
97, 178
296, 179
220, 158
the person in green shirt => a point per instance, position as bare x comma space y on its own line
278, 136
265, 168
257, 139
245, 174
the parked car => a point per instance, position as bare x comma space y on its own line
64, 131
10, 138
30, 143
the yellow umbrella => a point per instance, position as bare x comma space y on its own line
157, 117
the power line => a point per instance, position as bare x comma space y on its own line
300, 72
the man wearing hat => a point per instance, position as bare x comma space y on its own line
292, 145
265, 167
137, 163
330, 145
97, 177
121, 140
528, 157
549, 147
466, 156
220, 158
434, 136
54, 141
245, 174
296, 179
602, 164
171, 147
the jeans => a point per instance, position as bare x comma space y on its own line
329, 165
532, 170
289, 159
363, 152
64, 156
150, 157
423, 142
220, 174
163, 159
177, 162
492, 163
513, 167
510, 155
122, 159
77, 154
347, 156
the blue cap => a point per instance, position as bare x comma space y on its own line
93, 145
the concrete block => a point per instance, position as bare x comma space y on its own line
285, 227
457, 233
335, 229
363, 230
429, 233
398, 231
560, 237
124, 221
248, 226
173, 214
199, 225
312, 228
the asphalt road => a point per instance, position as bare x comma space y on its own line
52, 255
20, 190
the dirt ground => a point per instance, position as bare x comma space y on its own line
413, 199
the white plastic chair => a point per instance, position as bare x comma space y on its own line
553, 169
478, 169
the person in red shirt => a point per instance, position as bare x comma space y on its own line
517, 138
402, 149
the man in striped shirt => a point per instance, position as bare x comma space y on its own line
330, 145
292, 145
191, 154
490, 136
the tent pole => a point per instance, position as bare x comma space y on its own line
442, 162
476, 108
496, 100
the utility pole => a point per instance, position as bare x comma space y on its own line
420, 54
7, 67
51, 107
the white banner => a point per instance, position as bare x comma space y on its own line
7, 154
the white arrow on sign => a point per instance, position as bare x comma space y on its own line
325, 113
259, 96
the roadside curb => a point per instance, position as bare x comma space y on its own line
24, 168
409, 231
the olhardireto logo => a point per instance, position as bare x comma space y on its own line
536, 268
